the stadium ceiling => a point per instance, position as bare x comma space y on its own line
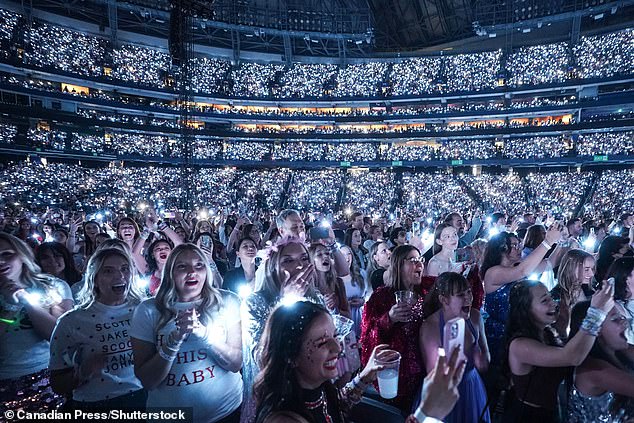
411, 24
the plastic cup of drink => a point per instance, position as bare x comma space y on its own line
388, 377
408, 297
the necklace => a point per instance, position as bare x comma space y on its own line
320, 402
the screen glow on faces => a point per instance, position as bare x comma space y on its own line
112, 280
189, 275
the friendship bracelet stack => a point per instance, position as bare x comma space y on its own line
593, 321
170, 348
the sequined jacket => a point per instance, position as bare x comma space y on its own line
377, 328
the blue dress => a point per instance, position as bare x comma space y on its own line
473, 396
496, 306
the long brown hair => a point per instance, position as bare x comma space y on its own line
331, 274
276, 387
436, 248
446, 285
271, 286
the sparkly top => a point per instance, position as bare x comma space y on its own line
583, 408
155, 284
496, 305
377, 328
254, 311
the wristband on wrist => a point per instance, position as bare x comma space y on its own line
173, 344
546, 245
422, 418
359, 383
166, 357
593, 321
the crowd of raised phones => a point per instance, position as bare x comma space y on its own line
47, 45
257, 315
286, 295
165, 146
424, 194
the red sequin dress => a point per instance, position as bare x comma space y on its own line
377, 328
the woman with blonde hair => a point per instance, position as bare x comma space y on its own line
187, 341
90, 347
30, 304
574, 284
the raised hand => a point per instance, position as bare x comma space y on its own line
440, 387
298, 284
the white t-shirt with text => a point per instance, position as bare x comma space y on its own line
195, 379
103, 332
